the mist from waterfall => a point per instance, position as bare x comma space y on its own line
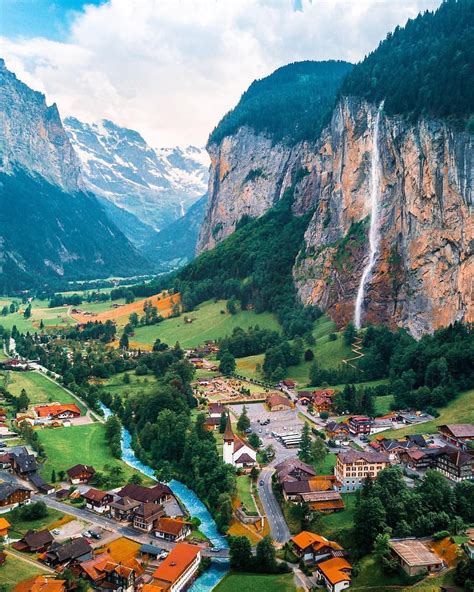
374, 234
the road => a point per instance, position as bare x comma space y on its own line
114, 526
278, 526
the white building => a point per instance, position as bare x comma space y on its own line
235, 451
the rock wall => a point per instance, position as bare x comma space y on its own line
423, 275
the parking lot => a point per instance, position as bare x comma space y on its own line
281, 422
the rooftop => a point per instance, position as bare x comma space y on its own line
459, 430
414, 552
177, 562
335, 570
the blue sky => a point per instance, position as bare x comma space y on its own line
39, 18
171, 69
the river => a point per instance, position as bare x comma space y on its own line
211, 577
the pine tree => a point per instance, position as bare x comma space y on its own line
244, 421
304, 452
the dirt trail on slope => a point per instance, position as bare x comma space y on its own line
358, 354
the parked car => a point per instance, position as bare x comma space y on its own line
56, 531
215, 550
261, 482
248, 431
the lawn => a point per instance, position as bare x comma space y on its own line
382, 404
371, 576
20, 526
243, 493
327, 465
208, 323
243, 582
38, 388
137, 385
66, 447
340, 520
15, 570
460, 410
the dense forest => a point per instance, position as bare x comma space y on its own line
424, 68
290, 105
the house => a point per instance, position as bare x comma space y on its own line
158, 494
236, 452
41, 584
454, 463
13, 495
353, 467
40, 484
320, 493
457, 434
104, 573
313, 548
63, 554
172, 529
178, 570
35, 541
23, 463
416, 459
57, 411
335, 573
14, 364
146, 516
324, 502
339, 432
212, 423
5, 461
123, 507
80, 474
4, 527
216, 410
293, 469
277, 402
97, 500
414, 556
359, 424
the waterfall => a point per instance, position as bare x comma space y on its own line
374, 234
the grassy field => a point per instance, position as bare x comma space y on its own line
243, 582
15, 570
327, 465
38, 388
337, 520
460, 410
382, 404
208, 323
85, 444
138, 384
371, 576
243, 493
20, 527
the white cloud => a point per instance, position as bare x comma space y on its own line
172, 68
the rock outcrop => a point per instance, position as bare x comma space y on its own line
423, 274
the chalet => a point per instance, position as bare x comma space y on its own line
64, 554
305, 397
335, 573
313, 548
171, 529
455, 464
277, 402
353, 467
290, 384
293, 469
457, 434
14, 364
146, 516
339, 432
211, 423
416, 459
40, 484
96, 500
5, 461
414, 556
122, 508
178, 570
106, 574
359, 424
80, 474
23, 463
41, 584
4, 527
235, 451
35, 541
158, 494
57, 411
13, 495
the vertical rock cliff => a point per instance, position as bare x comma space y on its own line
423, 272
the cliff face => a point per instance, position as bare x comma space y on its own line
32, 136
423, 270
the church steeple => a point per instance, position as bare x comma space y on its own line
228, 433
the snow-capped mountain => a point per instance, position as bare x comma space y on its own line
155, 186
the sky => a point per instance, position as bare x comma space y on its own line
172, 68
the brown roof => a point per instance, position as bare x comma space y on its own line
276, 399
124, 503
459, 430
244, 458
37, 539
149, 510
145, 494
95, 495
351, 456
322, 496
78, 470
289, 465
171, 526
228, 434
40, 584
414, 552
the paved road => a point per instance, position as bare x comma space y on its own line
112, 525
278, 526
